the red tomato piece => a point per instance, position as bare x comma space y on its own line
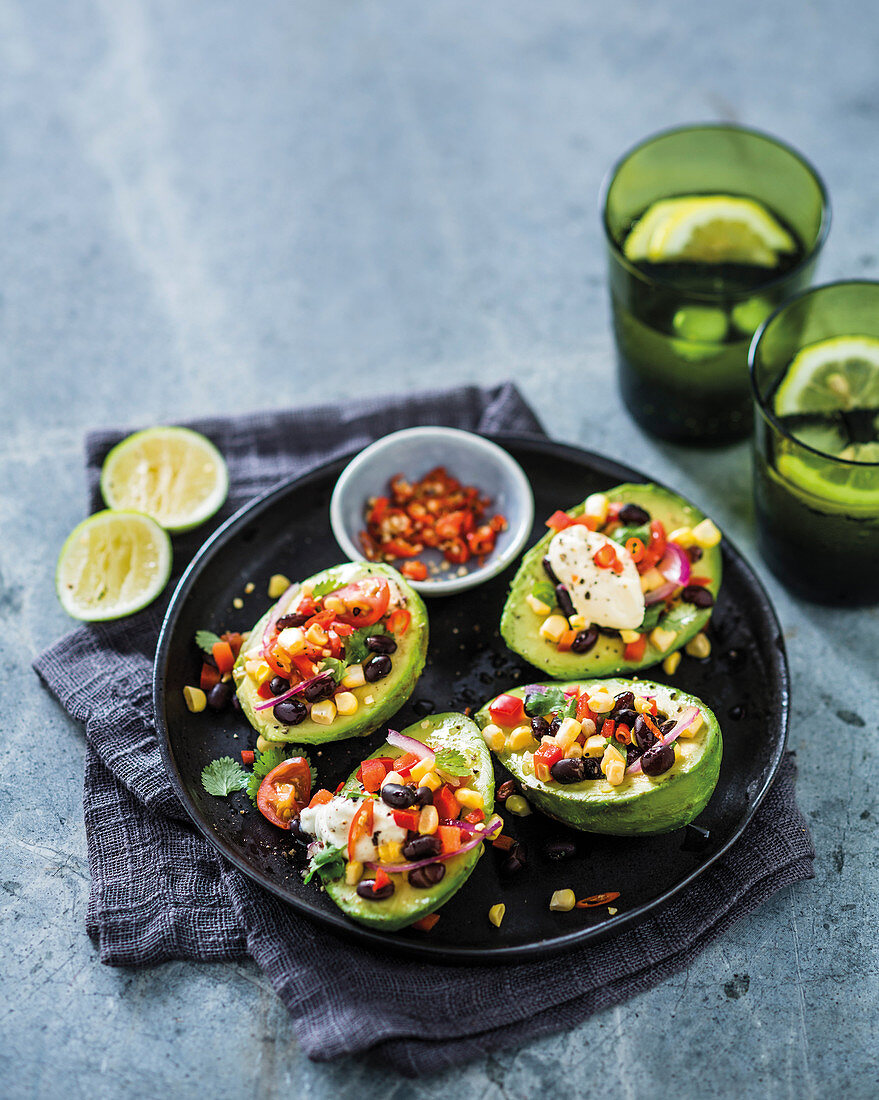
247, 756
558, 521
209, 678
407, 819
634, 651
222, 653
426, 923
361, 824
320, 798
371, 773
447, 805
284, 791
507, 710
475, 817
367, 600
450, 838
382, 878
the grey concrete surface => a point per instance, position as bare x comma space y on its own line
209, 206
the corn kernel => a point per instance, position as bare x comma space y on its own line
292, 638
629, 636
353, 872
496, 914
526, 763
368, 700
537, 606
670, 664
693, 728
431, 780
594, 746
390, 852
195, 698
428, 820
587, 727
494, 737
466, 796
419, 770
613, 912
642, 705
553, 627
575, 751
521, 739
706, 534
518, 805
568, 733
699, 646
278, 585
616, 772
683, 536
562, 901
662, 639
257, 669
334, 604
393, 777
601, 702
323, 712
578, 622
346, 702
316, 635
651, 579
596, 505
353, 677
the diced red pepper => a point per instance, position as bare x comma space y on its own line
320, 798
703, 582
371, 773
607, 728
222, 654
623, 733
507, 710
583, 711
475, 817
566, 641
450, 838
426, 923
247, 756
505, 843
264, 691
548, 754
407, 819
209, 678
234, 639
447, 805
382, 878
634, 651
558, 521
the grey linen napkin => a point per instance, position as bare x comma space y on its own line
159, 891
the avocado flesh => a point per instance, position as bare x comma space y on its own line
520, 626
640, 805
408, 904
389, 694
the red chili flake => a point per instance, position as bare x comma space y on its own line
598, 899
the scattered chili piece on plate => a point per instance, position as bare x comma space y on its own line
598, 899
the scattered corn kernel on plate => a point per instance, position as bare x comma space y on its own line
540, 886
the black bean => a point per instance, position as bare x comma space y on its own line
548, 569
422, 847
592, 767
585, 640
291, 620
219, 695
667, 726
320, 688
398, 796
377, 667
626, 717
563, 599
290, 712
632, 515
560, 849
424, 796
278, 685
512, 865
381, 643
506, 788
568, 771
698, 596
695, 553
632, 754
422, 878
539, 726
642, 736
657, 759
298, 834
660, 717
554, 726
365, 890
519, 851
624, 701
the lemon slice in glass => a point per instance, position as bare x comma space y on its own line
708, 229
840, 373
112, 564
174, 475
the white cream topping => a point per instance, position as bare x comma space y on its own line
331, 821
602, 596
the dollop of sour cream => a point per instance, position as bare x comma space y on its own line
331, 821
603, 597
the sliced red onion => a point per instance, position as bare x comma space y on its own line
273, 618
409, 744
673, 734
293, 691
464, 826
656, 595
675, 565
402, 868
538, 689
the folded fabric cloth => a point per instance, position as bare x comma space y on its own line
159, 891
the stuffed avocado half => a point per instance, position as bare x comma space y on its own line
406, 830
335, 657
614, 756
618, 583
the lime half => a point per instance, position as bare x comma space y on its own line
174, 475
112, 564
708, 229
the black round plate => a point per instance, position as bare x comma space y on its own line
745, 682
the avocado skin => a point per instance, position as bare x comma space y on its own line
407, 904
672, 801
519, 625
390, 693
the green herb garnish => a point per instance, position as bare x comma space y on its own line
452, 762
206, 640
223, 776
328, 862
546, 702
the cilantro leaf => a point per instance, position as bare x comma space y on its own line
328, 862
332, 664
680, 616
622, 534
223, 776
571, 709
206, 640
545, 592
264, 762
356, 649
651, 618
452, 762
545, 702
325, 587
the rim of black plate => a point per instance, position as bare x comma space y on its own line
423, 948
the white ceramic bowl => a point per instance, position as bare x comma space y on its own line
412, 453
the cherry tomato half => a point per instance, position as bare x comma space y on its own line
284, 791
366, 600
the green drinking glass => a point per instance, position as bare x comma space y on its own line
815, 380
709, 228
